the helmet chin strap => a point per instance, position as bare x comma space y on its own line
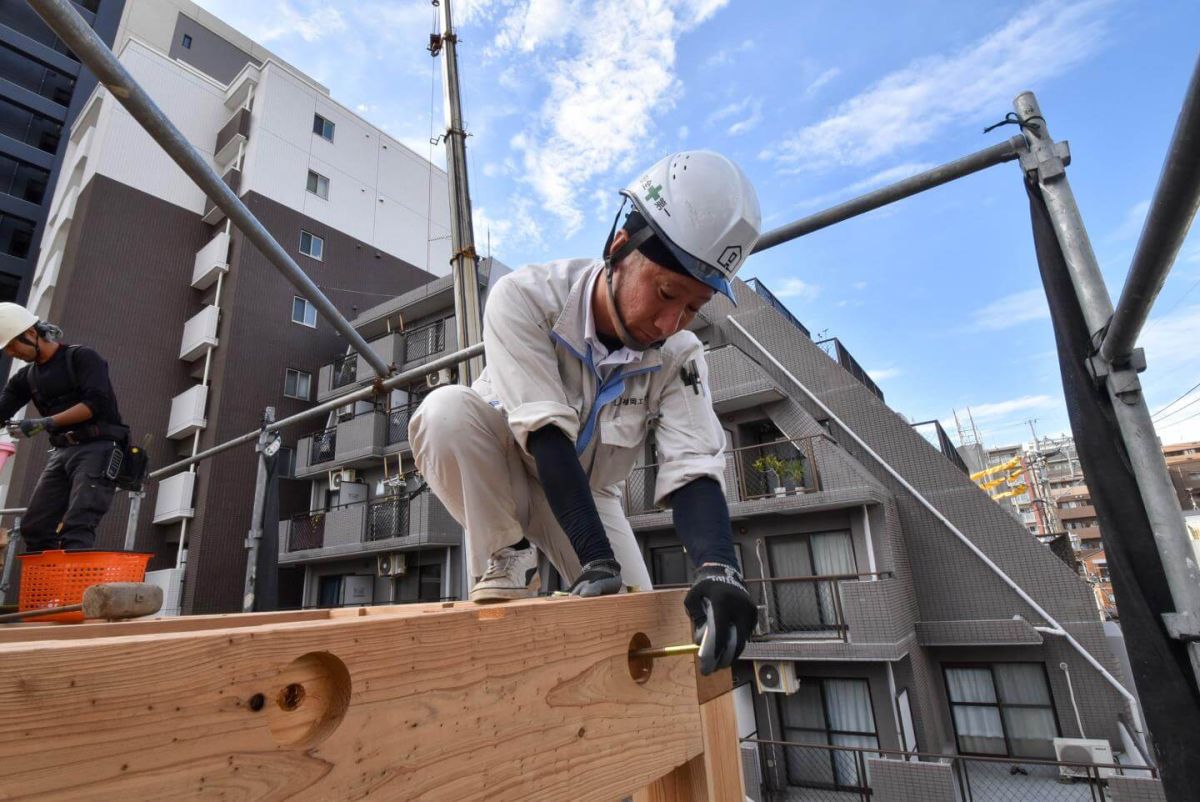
623, 334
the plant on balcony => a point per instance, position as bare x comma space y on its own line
784, 476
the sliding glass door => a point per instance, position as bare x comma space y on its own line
1002, 709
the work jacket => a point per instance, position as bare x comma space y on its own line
540, 371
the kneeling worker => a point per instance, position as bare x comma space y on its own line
69, 387
586, 358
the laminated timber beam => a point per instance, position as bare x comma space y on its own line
528, 700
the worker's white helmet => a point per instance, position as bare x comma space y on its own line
15, 320
704, 209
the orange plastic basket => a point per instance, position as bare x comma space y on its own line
58, 578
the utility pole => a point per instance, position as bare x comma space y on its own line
463, 259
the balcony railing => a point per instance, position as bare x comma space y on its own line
397, 424
345, 371
797, 605
802, 771
782, 468
387, 518
770, 298
324, 446
307, 531
425, 340
838, 353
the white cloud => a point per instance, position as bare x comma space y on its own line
682, 133
1011, 310
311, 25
884, 373
532, 23
610, 71
515, 230
973, 86
821, 80
999, 409
795, 288
727, 55
1131, 226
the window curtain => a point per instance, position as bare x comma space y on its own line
1031, 730
833, 554
795, 603
979, 729
804, 723
849, 704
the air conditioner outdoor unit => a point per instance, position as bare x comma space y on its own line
762, 626
776, 676
391, 564
345, 413
344, 475
440, 379
1081, 753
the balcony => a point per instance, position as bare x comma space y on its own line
737, 382
794, 770
425, 341
1086, 512
779, 471
838, 353
397, 424
188, 412
806, 607
390, 523
360, 438
776, 304
389, 348
936, 436
212, 261
213, 213
199, 334
232, 135
339, 377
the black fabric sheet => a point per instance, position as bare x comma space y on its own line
1161, 670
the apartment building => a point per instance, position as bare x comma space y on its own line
200, 331
1078, 516
42, 89
1183, 464
1093, 566
879, 630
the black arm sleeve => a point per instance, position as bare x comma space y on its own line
702, 520
14, 395
91, 372
569, 494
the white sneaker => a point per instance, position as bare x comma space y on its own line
511, 574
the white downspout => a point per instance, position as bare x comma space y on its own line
1055, 629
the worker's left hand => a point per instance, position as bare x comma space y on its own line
723, 615
598, 578
31, 427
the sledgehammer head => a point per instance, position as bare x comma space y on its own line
117, 600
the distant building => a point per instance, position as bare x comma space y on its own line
1183, 464
1094, 568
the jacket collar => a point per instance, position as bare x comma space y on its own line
568, 328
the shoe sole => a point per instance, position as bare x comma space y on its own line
492, 595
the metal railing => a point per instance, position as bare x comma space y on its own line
768, 296
344, 371
838, 353
781, 468
802, 771
397, 424
795, 605
306, 531
941, 441
324, 445
387, 518
425, 340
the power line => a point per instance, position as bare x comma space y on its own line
1176, 401
1179, 409
1181, 420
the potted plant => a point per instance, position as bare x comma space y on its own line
772, 468
791, 471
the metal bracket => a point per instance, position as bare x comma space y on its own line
1123, 380
1182, 626
1046, 167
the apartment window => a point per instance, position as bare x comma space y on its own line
670, 565
16, 235
187, 42
297, 384
828, 712
808, 605
1002, 709
312, 245
285, 462
426, 586
22, 180
322, 127
318, 185
303, 312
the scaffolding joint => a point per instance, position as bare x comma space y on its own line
1048, 164
1123, 379
1182, 626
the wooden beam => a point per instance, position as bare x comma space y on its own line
714, 776
528, 700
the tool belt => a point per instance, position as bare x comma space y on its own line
126, 467
90, 433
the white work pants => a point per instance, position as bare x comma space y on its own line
467, 454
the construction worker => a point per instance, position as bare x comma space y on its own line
69, 387
586, 360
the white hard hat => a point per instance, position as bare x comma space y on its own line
704, 209
14, 321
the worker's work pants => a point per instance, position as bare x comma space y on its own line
70, 499
466, 452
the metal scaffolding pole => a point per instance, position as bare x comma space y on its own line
463, 259
62, 18
980, 160
1176, 200
254, 538
320, 410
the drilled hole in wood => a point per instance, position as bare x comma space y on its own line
257, 702
640, 667
311, 697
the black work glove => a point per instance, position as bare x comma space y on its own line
31, 427
598, 578
722, 613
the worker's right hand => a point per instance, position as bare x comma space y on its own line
722, 613
598, 578
30, 427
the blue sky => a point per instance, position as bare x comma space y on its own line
937, 296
